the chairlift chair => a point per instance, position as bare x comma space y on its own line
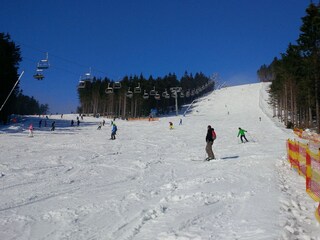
175, 89
157, 96
43, 64
109, 89
137, 89
181, 95
129, 93
145, 95
153, 91
165, 93
188, 93
38, 76
82, 84
116, 85
85, 81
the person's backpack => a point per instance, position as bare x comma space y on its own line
214, 135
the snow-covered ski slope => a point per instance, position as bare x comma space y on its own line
151, 183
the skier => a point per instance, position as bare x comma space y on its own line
114, 131
99, 127
53, 126
103, 122
242, 135
211, 135
78, 122
170, 125
40, 122
31, 130
180, 123
72, 123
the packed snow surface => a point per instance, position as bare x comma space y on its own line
151, 182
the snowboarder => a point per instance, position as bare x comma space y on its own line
180, 123
99, 127
78, 122
53, 126
209, 140
103, 122
170, 125
242, 135
114, 131
31, 130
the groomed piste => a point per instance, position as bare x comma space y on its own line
151, 182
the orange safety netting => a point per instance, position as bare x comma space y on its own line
307, 162
313, 175
143, 119
307, 135
297, 156
292, 149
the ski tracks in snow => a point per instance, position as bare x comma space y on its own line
295, 206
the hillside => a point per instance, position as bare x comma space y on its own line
152, 182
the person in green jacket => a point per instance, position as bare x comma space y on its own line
242, 134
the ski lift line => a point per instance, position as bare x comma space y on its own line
61, 58
32, 60
11, 90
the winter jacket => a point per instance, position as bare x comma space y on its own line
114, 129
209, 135
241, 132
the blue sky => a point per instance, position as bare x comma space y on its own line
152, 37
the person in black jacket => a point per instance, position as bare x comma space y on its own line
209, 140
